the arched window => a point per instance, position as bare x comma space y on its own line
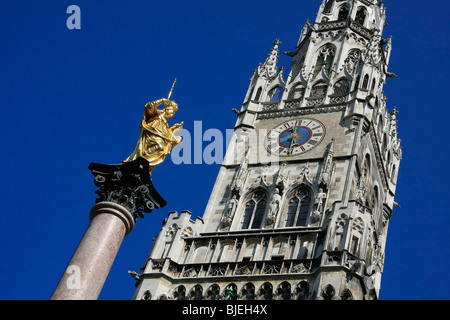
284, 291
375, 201
196, 293
328, 292
365, 82
343, 12
265, 292
319, 90
275, 94
248, 292
361, 15
298, 208
254, 211
328, 6
302, 290
296, 92
180, 293
374, 82
230, 292
324, 60
342, 87
213, 293
258, 94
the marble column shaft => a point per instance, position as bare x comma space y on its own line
89, 267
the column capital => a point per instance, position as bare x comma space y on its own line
127, 184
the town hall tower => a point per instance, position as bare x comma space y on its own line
302, 202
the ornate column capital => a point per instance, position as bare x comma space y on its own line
127, 184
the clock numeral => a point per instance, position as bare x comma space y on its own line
317, 134
312, 142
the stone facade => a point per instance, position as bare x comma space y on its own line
307, 226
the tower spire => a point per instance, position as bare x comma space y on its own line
269, 68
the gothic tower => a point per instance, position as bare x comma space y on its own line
303, 199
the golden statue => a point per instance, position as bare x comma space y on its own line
156, 139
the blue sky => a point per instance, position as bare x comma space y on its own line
71, 97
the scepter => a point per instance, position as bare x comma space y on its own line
171, 90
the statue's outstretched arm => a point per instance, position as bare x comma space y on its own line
151, 107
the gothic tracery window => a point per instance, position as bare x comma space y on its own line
298, 208
324, 60
254, 211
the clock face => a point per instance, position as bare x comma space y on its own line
294, 137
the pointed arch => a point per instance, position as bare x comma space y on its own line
248, 292
298, 206
361, 15
179, 293
284, 291
325, 58
255, 207
319, 90
328, 292
275, 94
258, 94
346, 295
365, 84
265, 292
230, 292
297, 91
302, 290
213, 292
341, 87
196, 293
344, 11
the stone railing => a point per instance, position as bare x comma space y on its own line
243, 268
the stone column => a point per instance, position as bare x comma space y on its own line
125, 191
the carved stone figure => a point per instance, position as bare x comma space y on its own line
319, 200
230, 209
274, 207
361, 187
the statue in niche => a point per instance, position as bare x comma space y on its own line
319, 201
361, 187
230, 209
274, 207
